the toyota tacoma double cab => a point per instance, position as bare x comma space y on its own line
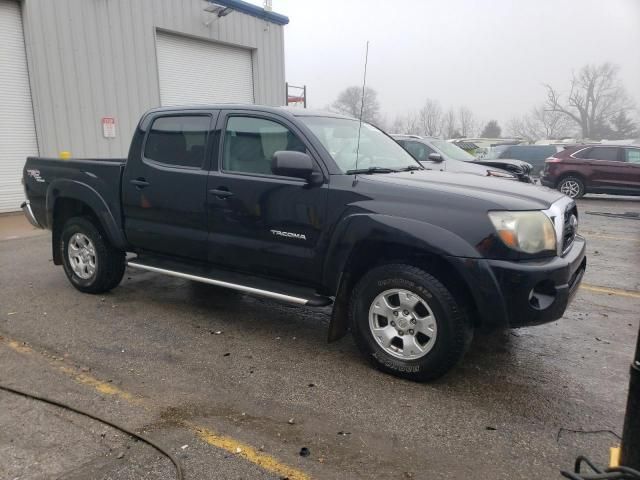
316, 209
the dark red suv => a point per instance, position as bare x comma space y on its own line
613, 169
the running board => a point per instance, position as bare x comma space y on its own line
244, 283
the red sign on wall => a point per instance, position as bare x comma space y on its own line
109, 127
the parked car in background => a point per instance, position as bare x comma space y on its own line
613, 169
437, 154
533, 154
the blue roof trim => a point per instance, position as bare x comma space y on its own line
253, 10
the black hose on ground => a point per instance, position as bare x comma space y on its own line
50, 401
614, 473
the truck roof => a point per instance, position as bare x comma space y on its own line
293, 111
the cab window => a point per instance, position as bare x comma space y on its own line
249, 144
418, 150
178, 140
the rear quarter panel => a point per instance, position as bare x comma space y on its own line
93, 181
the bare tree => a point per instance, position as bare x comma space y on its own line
467, 122
595, 99
349, 102
450, 124
408, 124
539, 124
430, 118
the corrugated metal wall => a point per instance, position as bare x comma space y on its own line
94, 58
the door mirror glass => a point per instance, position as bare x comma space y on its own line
292, 164
435, 157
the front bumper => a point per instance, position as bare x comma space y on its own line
28, 212
510, 294
547, 182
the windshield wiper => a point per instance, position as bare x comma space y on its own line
410, 168
371, 170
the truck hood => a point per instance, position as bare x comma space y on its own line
519, 167
495, 193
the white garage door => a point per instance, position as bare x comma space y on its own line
17, 131
196, 72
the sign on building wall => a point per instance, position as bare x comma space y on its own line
109, 127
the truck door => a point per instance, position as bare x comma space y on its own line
260, 222
164, 185
608, 167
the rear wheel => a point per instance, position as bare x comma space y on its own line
92, 265
407, 323
572, 187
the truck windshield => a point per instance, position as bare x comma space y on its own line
453, 151
377, 153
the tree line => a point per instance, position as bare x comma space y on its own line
596, 106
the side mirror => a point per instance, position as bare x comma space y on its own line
435, 157
292, 164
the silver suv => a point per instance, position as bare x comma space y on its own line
438, 154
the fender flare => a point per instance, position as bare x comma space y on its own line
65, 188
359, 227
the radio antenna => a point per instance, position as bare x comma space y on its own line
364, 84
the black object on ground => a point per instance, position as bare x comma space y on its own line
305, 452
93, 416
616, 473
631, 433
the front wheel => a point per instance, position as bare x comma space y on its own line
92, 265
407, 323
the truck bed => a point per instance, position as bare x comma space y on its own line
103, 175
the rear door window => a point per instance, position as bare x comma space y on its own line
178, 140
604, 153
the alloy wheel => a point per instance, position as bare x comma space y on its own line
403, 324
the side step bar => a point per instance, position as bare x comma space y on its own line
295, 294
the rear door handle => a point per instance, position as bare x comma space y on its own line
221, 192
139, 182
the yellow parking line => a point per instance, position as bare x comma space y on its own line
266, 462
243, 450
611, 291
78, 375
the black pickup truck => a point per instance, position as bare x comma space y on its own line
316, 209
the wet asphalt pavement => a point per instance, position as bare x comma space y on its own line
174, 359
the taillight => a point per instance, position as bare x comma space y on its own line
553, 160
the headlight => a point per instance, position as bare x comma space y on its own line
529, 232
496, 173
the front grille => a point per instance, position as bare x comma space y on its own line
569, 228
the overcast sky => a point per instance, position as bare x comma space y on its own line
491, 56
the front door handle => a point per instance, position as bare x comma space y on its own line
221, 192
139, 183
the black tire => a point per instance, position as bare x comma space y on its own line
571, 184
109, 262
454, 331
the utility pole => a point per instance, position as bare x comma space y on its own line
631, 433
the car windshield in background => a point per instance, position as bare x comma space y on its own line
376, 152
494, 153
453, 151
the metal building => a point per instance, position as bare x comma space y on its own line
75, 75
